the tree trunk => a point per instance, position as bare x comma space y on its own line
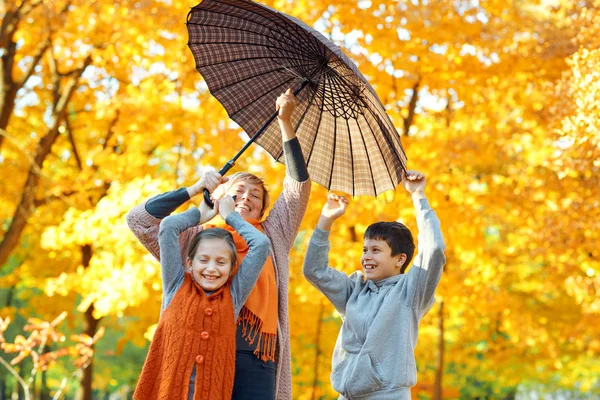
8, 87
412, 106
91, 326
315, 384
26, 205
3, 386
439, 368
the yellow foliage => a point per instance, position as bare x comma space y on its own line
505, 127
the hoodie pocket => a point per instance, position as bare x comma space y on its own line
366, 377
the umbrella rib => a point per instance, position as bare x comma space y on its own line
285, 27
383, 116
229, 16
389, 144
351, 159
256, 33
301, 119
282, 21
215, 90
235, 29
334, 81
233, 61
333, 158
312, 147
258, 98
309, 56
342, 82
368, 158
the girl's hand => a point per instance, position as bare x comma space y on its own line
332, 210
413, 181
285, 104
226, 206
207, 213
209, 180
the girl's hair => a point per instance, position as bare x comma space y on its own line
252, 179
214, 233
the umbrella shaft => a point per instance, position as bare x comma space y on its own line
229, 164
268, 122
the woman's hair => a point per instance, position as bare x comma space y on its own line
252, 179
214, 233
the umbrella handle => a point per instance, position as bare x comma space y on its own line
231, 162
222, 171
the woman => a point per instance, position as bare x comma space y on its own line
263, 361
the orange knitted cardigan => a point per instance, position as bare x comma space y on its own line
195, 329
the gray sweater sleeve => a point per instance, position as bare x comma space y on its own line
258, 250
295, 160
426, 271
171, 262
164, 204
334, 284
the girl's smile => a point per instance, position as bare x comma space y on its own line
211, 266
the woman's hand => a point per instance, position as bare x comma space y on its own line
209, 180
226, 206
334, 208
285, 104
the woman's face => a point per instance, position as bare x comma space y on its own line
249, 198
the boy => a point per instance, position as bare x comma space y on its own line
382, 307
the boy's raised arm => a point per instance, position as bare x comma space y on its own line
334, 284
426, 271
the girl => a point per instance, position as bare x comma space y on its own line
192, 355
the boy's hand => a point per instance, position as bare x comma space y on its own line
332, 210
209, 180
207, 213
414, 182
226, 206
285, 104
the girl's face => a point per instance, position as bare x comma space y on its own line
249, 198
211, 266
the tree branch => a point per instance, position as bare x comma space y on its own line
17, 376
73, 144
26, 205
37, 56
412, 105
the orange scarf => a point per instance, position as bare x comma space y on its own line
258, 316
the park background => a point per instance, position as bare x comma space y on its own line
496, 101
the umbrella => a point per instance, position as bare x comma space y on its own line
248, 54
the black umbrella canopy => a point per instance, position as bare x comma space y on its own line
249, 54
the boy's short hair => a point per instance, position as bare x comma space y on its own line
397, 236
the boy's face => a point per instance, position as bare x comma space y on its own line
211, 266
377, 260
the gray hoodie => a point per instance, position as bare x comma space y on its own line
374, 352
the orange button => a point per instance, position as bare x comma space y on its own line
199, 359
208, 311
204, 335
